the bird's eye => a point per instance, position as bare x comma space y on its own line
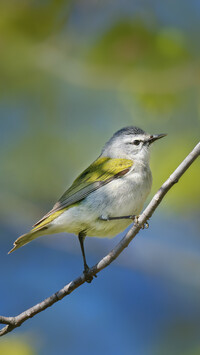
136, 142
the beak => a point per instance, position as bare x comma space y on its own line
154, 137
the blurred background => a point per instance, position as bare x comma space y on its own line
72, 73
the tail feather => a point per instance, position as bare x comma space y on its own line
26, 238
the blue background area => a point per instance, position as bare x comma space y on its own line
129, 306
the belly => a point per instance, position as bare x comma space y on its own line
121, 197
85, 218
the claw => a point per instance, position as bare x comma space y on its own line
136, 220
88, 277
145, 224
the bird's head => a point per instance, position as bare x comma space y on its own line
130, 143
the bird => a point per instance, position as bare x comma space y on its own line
107, 196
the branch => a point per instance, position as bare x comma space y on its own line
14, 322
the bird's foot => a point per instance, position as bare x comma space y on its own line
145, 225
136, 222
88, 277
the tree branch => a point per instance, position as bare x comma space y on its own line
14, 322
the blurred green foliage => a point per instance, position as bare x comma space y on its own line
176, 338
16, 346
24, 25
129, 44
148, 72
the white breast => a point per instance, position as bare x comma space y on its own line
121, 197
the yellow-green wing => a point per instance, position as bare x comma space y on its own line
99, 173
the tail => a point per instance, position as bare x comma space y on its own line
26, 238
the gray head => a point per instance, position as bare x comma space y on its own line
130, 143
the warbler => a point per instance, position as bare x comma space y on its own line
106, 197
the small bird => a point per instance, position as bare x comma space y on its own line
107, 196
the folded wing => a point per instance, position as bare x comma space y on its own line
100, 172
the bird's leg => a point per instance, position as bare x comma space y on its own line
133, 217
81, 238
106, 218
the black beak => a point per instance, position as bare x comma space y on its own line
154, 137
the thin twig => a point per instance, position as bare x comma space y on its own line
14, 322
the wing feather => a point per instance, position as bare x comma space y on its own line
99, 173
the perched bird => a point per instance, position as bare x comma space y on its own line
106, 197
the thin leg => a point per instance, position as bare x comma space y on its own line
133, 217
105, 218
81, 238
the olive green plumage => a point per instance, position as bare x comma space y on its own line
100, 172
